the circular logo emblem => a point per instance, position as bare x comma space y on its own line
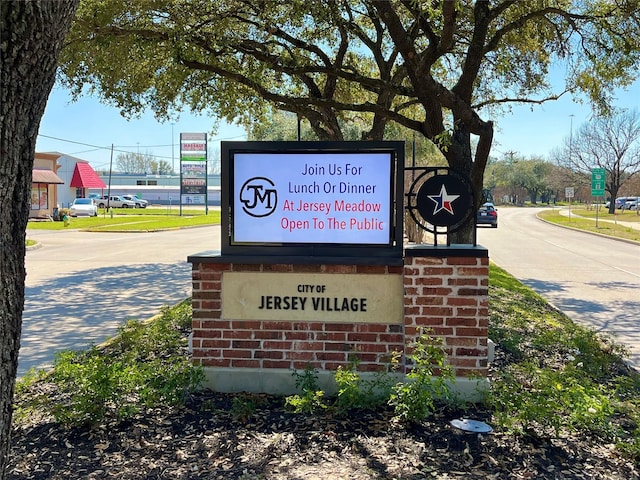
259, 197
443, 200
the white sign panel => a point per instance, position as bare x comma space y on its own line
341, 198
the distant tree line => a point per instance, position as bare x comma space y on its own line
142, 163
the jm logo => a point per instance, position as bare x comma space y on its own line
259, 197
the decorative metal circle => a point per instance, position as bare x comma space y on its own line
443, 200
440, 198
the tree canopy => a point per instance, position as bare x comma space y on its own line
441, 69
533, 175
130, 162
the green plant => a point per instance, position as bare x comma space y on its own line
416, 398
95, 384
311, 398
31, 394
526, 398
243, 407
144, 366
356, 392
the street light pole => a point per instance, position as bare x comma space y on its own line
570, 136
570, 148
173, 167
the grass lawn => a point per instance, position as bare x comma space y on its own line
584, 219
140, 220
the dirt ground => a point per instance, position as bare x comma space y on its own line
211, 438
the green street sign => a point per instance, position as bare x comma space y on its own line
597, 182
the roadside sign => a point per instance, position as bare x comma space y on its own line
597, 182
568, 192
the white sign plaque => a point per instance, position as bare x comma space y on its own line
312, 197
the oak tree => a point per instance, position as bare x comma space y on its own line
439, 68
611, 142
32, 35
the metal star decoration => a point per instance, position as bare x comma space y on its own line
443, 201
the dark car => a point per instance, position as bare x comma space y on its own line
488, 215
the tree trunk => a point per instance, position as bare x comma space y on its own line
460, 158
32, 36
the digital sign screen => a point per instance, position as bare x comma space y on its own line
306, 195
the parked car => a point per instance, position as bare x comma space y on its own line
140, 202
620, 201
115, 201
83, 207
631, 203
487, 215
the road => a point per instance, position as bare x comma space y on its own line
594, 280
81, 286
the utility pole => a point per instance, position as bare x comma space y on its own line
173, 167
570, 137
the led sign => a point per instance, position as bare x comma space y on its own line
312, 197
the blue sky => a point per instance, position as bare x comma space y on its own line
86, 129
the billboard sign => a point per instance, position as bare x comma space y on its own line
193, 168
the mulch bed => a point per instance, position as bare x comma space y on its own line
210, 439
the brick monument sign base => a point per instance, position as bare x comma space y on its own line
257, 319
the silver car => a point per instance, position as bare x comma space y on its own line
140, 202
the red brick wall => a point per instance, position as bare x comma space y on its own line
449, 296
446, 295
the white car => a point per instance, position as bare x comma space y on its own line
631, 203
83, 207
140, 202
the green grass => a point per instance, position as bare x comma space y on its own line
127, 219
603, 214
583, 219
557, 378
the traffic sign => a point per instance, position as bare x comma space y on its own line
597, 182
568, 192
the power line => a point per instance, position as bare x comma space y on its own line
98, 147
118, 147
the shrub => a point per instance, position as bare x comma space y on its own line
311, 398
144, 366
412, 400
416, 398
356, 392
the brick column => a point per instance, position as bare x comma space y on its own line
448, 295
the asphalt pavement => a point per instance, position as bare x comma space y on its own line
82, 286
